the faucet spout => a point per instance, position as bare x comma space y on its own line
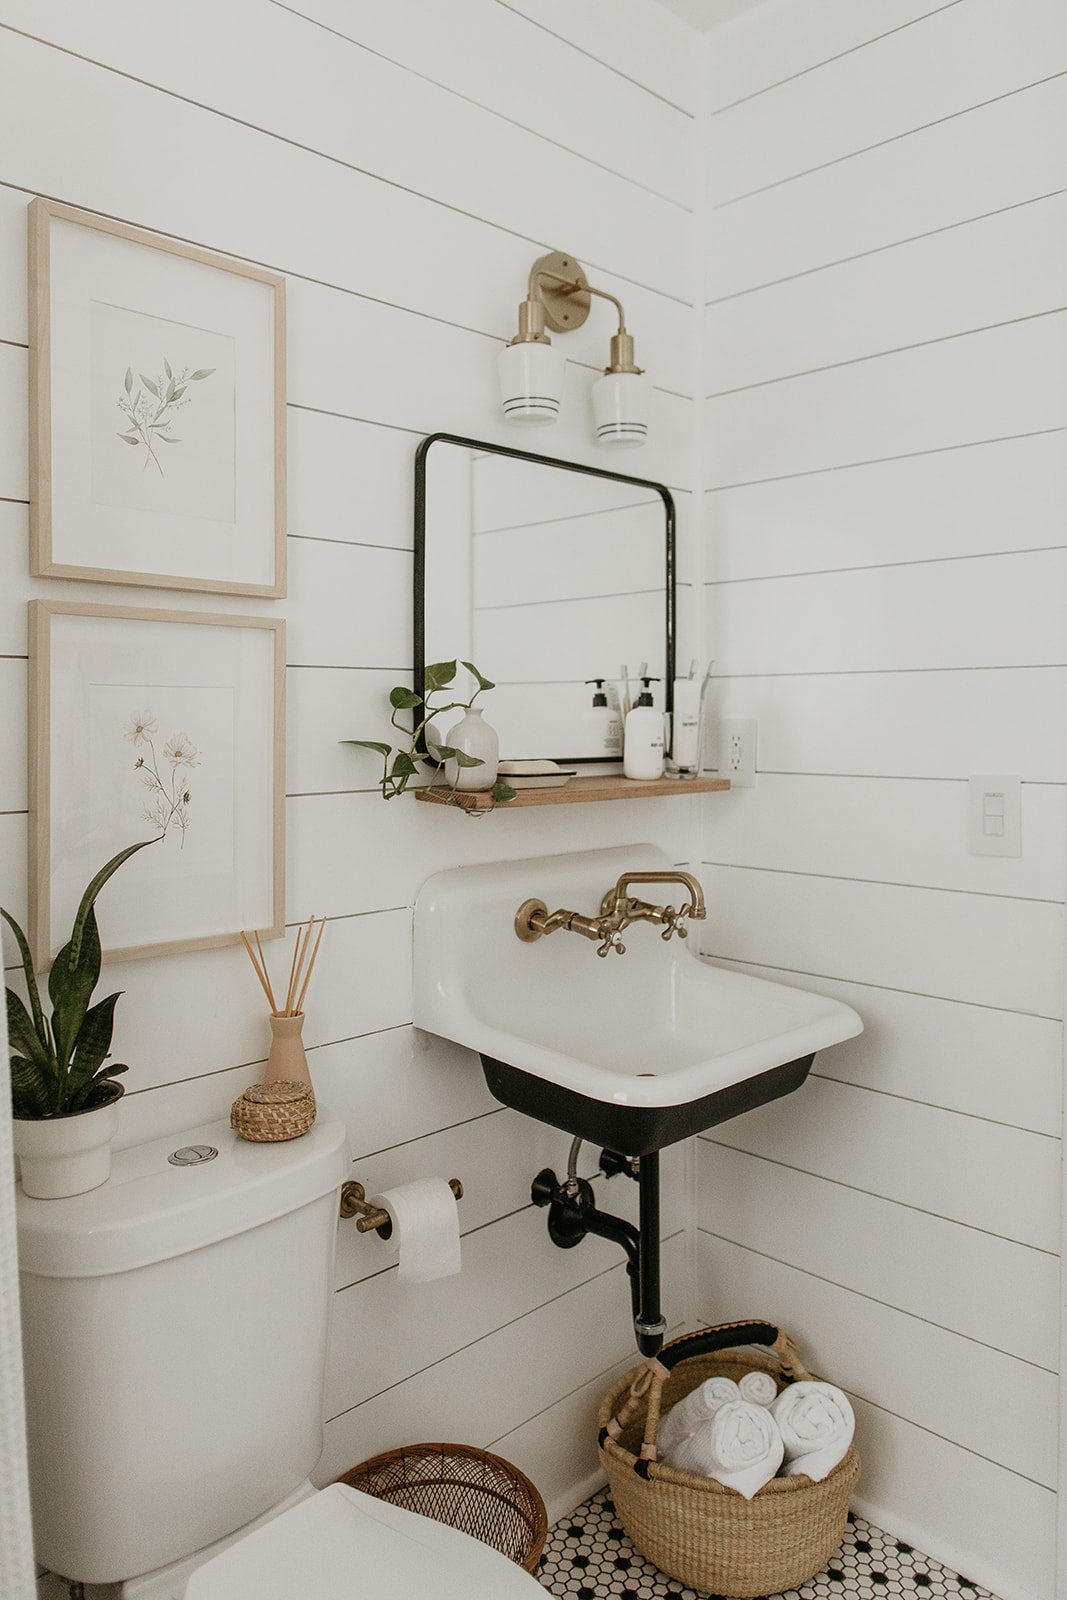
618, 899
618, 909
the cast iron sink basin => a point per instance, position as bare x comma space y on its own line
633, 1052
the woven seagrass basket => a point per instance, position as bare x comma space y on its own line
270, 1112
469, 1489
691, 1527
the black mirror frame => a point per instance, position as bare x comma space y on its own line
419, 614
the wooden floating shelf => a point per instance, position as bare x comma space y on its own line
575, 791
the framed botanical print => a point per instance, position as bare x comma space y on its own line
163, 725
157, 410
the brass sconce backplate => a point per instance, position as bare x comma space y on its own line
565, 309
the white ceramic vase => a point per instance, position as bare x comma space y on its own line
474, 737
69, 1154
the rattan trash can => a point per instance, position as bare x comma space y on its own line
470, 1489
691, 1527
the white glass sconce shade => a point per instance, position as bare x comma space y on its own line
621, 403
531, 383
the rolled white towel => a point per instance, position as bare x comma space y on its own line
759, 1387
816, 1423
697, 1407
741, 1447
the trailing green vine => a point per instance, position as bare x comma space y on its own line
400, 762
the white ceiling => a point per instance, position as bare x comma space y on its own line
707, 14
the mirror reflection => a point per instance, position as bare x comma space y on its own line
545, 575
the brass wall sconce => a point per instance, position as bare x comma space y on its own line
531, 370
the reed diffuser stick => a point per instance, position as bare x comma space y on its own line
293, 1004
260, 974
295, 968
266, 974
314, 953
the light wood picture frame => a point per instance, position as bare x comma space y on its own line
170, 725
157, 410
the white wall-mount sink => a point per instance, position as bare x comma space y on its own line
633, 1052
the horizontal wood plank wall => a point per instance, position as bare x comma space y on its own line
402, 165
886, 592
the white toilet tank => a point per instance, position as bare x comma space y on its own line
174, 1331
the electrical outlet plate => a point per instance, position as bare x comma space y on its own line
737, 752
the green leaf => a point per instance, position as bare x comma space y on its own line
94, 1040
128, 380
77, 967
170, 392
95, 886
462, 759
29, 1090
404, 699
130, 438
166, 364
24, 1036
370, 744
201, 372
483, 683
165, 438
502, 793
438, 674
70, 984
403, 766
149, 385
27, 967
178, 393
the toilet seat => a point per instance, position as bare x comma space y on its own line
343, 1544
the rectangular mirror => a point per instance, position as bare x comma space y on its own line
545, 574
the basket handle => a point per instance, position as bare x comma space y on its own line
655, 1372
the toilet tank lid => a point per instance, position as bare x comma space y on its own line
151, 1209
342, 1542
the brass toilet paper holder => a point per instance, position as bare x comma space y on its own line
354, 1203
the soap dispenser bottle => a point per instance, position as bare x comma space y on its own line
602, 726
643, 738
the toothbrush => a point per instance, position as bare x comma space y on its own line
624, 688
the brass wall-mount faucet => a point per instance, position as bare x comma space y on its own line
618, 909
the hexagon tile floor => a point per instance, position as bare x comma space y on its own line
589, 1557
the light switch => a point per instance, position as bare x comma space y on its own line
994, 823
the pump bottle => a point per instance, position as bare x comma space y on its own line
602, 727
643, 737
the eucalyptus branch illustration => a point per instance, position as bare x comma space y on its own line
168, 795
151, 416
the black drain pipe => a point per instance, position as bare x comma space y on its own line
573, 1213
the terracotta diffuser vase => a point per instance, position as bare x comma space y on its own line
287, 1060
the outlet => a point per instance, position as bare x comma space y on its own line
737, 752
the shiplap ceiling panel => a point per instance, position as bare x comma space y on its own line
707, 14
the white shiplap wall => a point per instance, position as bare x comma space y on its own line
403, 165
886, 593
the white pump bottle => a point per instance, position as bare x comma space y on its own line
642, 754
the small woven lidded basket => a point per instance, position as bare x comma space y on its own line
469, 1489
269, 1112
694, 1528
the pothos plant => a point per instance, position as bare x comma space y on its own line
401, 761
59, 1064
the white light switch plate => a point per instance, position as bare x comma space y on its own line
994, 815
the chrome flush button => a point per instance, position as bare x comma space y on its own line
191, 1155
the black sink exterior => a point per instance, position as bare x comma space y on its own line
636, 1130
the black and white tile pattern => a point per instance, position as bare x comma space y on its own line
589, 1557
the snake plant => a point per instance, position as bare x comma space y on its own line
58, 1063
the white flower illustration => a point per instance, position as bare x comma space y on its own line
182, 751
140, 727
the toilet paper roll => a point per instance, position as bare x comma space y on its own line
425, 1229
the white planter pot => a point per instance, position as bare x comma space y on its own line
66, 1155
475, 738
